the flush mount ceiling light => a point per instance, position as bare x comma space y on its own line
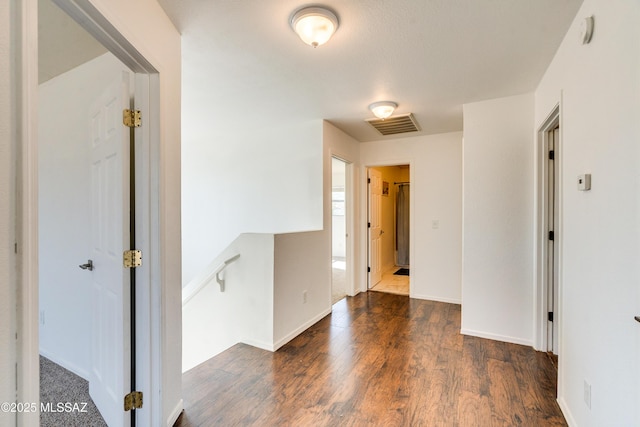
314, 25
383, 109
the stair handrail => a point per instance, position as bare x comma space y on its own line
208, 278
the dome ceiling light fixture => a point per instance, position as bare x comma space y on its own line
383, 109
314, 25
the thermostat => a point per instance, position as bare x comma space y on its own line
584, 182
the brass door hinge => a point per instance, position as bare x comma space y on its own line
132, 118
132, 258
133, 400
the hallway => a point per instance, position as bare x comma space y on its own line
378, 359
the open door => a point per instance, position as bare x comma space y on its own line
375, 227
110, 351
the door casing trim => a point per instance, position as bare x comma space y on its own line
541, 225
364, 215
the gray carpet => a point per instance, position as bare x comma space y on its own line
60, 386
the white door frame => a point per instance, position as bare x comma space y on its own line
149, 325
541, 308
349, 195
364, 214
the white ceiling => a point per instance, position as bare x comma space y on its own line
244, 68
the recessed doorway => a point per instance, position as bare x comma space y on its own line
86, 202
389, 268
339, 233
83, 224
549, 236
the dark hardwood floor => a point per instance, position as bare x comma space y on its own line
377, 360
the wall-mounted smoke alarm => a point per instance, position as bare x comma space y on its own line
586, 29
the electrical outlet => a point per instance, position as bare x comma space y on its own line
587, 394
304, 297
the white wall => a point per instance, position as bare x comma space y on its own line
436, 195
263, 304
65, 210
256, 180
302, 264
303, 260
7, 224
497, 284
214, 321
597, 86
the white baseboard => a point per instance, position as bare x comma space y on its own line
438, 299
566, 412
259, 344
496, 337
301, 329
173, 416
83, 373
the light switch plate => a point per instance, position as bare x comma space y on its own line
584, 182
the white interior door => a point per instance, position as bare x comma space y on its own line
110, 373
375, 227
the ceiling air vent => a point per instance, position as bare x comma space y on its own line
403, 123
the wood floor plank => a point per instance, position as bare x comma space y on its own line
506, 401
377, 360
474, 410
537, 380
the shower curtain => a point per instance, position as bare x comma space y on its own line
402, 225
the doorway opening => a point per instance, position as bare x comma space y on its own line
549, 234
86, 202
339, 235
389, 268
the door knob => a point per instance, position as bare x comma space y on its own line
87, 266
637, 318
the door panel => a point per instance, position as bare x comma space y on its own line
375, 229
110, 225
